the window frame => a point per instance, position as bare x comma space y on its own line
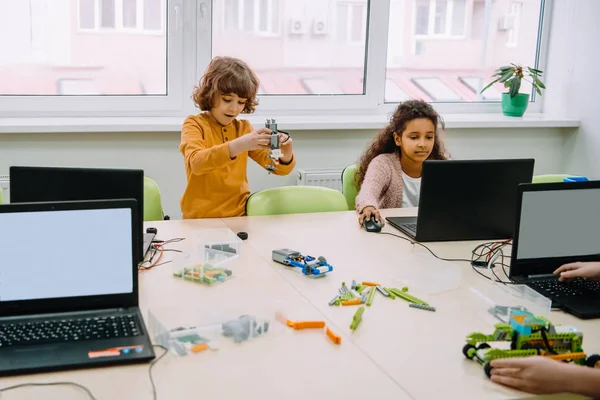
189, 40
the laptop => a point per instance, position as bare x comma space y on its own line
39, 184
66, 302
558, 223
466, 200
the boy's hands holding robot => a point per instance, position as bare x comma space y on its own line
257, 140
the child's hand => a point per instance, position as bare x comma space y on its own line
366, 214
285, 144
590, 270
539, 375
259, 139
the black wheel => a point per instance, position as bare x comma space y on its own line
322, 259
593, 361
469, 351
483, 346
487, 368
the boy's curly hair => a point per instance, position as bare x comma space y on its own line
384, 141
226, 75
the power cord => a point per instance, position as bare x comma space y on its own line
158, 247
422, 245
88, 391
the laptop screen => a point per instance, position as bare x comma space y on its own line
559, 223
65, 253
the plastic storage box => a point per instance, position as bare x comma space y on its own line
208, 256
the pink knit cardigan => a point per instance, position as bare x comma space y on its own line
382, 186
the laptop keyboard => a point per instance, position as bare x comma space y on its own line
572, 288
68, 330
411, 227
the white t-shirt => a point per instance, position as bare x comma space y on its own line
410, 191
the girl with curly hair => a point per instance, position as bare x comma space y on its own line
389, 174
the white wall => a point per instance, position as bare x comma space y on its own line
158, 155
573, 85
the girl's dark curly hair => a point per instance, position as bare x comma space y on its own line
227, 75
384, 141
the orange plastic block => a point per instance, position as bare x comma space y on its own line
334, 338
308, 324
200, 347
370, 284
354, 302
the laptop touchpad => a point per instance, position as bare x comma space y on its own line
25, 356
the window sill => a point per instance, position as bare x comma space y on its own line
292, 123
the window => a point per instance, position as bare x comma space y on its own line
144, 16
143, 57
307, 57
351, 22
261, 17
513, 21
455, 46
440, 17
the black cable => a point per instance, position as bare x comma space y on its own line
88, 391
6, 389
427, 248
154, 395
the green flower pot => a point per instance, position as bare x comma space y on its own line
516, 106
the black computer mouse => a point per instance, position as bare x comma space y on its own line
371, 225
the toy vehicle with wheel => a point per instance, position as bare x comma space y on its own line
308, 265
529, 335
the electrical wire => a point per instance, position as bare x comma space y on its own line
88, 391
422, 245
158, 247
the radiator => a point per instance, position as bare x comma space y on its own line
331, 178
4, 186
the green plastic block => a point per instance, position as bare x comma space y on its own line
357, 318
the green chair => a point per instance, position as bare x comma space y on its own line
550, 178
349, 186
295, 200
1, 196
153, 210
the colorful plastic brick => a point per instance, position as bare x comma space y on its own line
371, 297
334, 338
421, 306
309, 265
353, 302
357, 318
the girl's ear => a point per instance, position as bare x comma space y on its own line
397, 139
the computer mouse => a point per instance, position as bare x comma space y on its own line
371, 225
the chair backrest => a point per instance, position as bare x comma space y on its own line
153, 210
1, 196
295, 200
550, 178
349, 186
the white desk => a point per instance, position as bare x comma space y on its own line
397, 352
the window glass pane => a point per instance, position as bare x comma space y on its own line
129, 14
440, 17
231, 13
263, 15
395, 91
428, 62
248, 15
459, 8
275, 17
107, 13
45, 55
314, 54
86, 14
154, 16
422, 17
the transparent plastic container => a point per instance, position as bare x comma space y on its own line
208, 257
495, 301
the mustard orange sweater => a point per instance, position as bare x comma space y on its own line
217, 186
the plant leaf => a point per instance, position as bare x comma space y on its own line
537, 89
508, 82
489, 85
538, 82
515, 85
537, 71
506, 76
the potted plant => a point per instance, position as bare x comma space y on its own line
514, 103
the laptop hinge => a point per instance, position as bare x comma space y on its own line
541, 276
70, 314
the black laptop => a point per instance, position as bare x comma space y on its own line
38, 184
466, 200
65, 301
556, 224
